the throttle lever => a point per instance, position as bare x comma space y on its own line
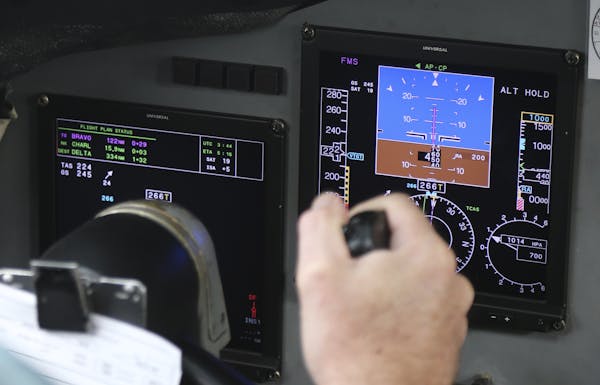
367, 231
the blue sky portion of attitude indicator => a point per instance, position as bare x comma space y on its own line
438, 108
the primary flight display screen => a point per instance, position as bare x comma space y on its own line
226, 170
479, 136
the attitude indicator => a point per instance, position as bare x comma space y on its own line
434, 125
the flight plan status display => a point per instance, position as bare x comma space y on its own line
98, 164
479, 145
226, 170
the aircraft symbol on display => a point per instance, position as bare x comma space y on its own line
417, 135
454, 138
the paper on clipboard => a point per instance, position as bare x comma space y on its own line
594, 40
112, 353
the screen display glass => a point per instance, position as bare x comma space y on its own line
471, 141
226, 170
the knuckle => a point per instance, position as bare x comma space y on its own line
400, 199
313, 278
449, 261
305, 218
403, 204
309, 220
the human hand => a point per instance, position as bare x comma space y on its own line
395, 316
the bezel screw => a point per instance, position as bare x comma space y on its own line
43, 100
572, 57
308, 32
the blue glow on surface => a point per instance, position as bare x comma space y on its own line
426, 107
177, 260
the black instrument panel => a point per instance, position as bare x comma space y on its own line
480, 136
227, 170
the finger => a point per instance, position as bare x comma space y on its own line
405, 220
321, 242
466, 293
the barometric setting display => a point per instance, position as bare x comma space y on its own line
474, 140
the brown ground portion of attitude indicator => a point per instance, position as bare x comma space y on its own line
391, 154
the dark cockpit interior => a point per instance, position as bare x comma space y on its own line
168, 149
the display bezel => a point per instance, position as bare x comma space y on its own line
488, 309
262, 364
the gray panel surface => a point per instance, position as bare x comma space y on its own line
139, 74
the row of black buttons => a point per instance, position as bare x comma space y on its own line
233, 76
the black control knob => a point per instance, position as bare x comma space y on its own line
367, 231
